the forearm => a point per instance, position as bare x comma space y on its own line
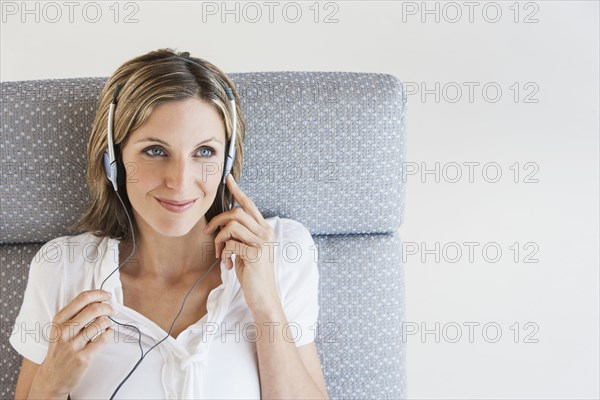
39, 389
282, 372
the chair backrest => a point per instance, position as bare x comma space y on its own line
323, 148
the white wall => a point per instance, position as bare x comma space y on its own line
557, 133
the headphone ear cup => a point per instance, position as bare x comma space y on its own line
106, 164
121, 173
225, 163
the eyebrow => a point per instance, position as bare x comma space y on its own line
151, 139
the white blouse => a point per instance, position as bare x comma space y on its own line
212, 358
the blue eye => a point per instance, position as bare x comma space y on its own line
153, 151
212, 151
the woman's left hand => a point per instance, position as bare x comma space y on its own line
245, 232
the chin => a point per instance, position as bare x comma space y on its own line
171, 227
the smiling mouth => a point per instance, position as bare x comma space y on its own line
176, 206
175, 203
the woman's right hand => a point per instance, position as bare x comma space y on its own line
71, 348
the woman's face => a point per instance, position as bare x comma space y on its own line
174, 165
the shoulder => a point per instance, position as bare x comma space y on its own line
68, 250
290, 231
65, 266
296, 254
297, 276
66, 260
292, 241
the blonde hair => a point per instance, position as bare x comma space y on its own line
149, 80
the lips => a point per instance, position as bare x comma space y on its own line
174, 202
174, 205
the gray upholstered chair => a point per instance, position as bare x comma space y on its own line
323, 148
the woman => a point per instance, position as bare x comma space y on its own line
134, 307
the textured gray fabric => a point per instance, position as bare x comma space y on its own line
361, 292
334, 141
15, 260
323, 148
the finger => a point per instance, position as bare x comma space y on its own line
247, 253
244, 201
90, 313
237, 231
236, 214
92, 330
78, 303
99, 342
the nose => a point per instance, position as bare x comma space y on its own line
178, 174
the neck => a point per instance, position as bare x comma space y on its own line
169, 260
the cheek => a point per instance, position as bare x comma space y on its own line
141, 178
210, 175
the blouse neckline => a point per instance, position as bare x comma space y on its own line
217, 303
